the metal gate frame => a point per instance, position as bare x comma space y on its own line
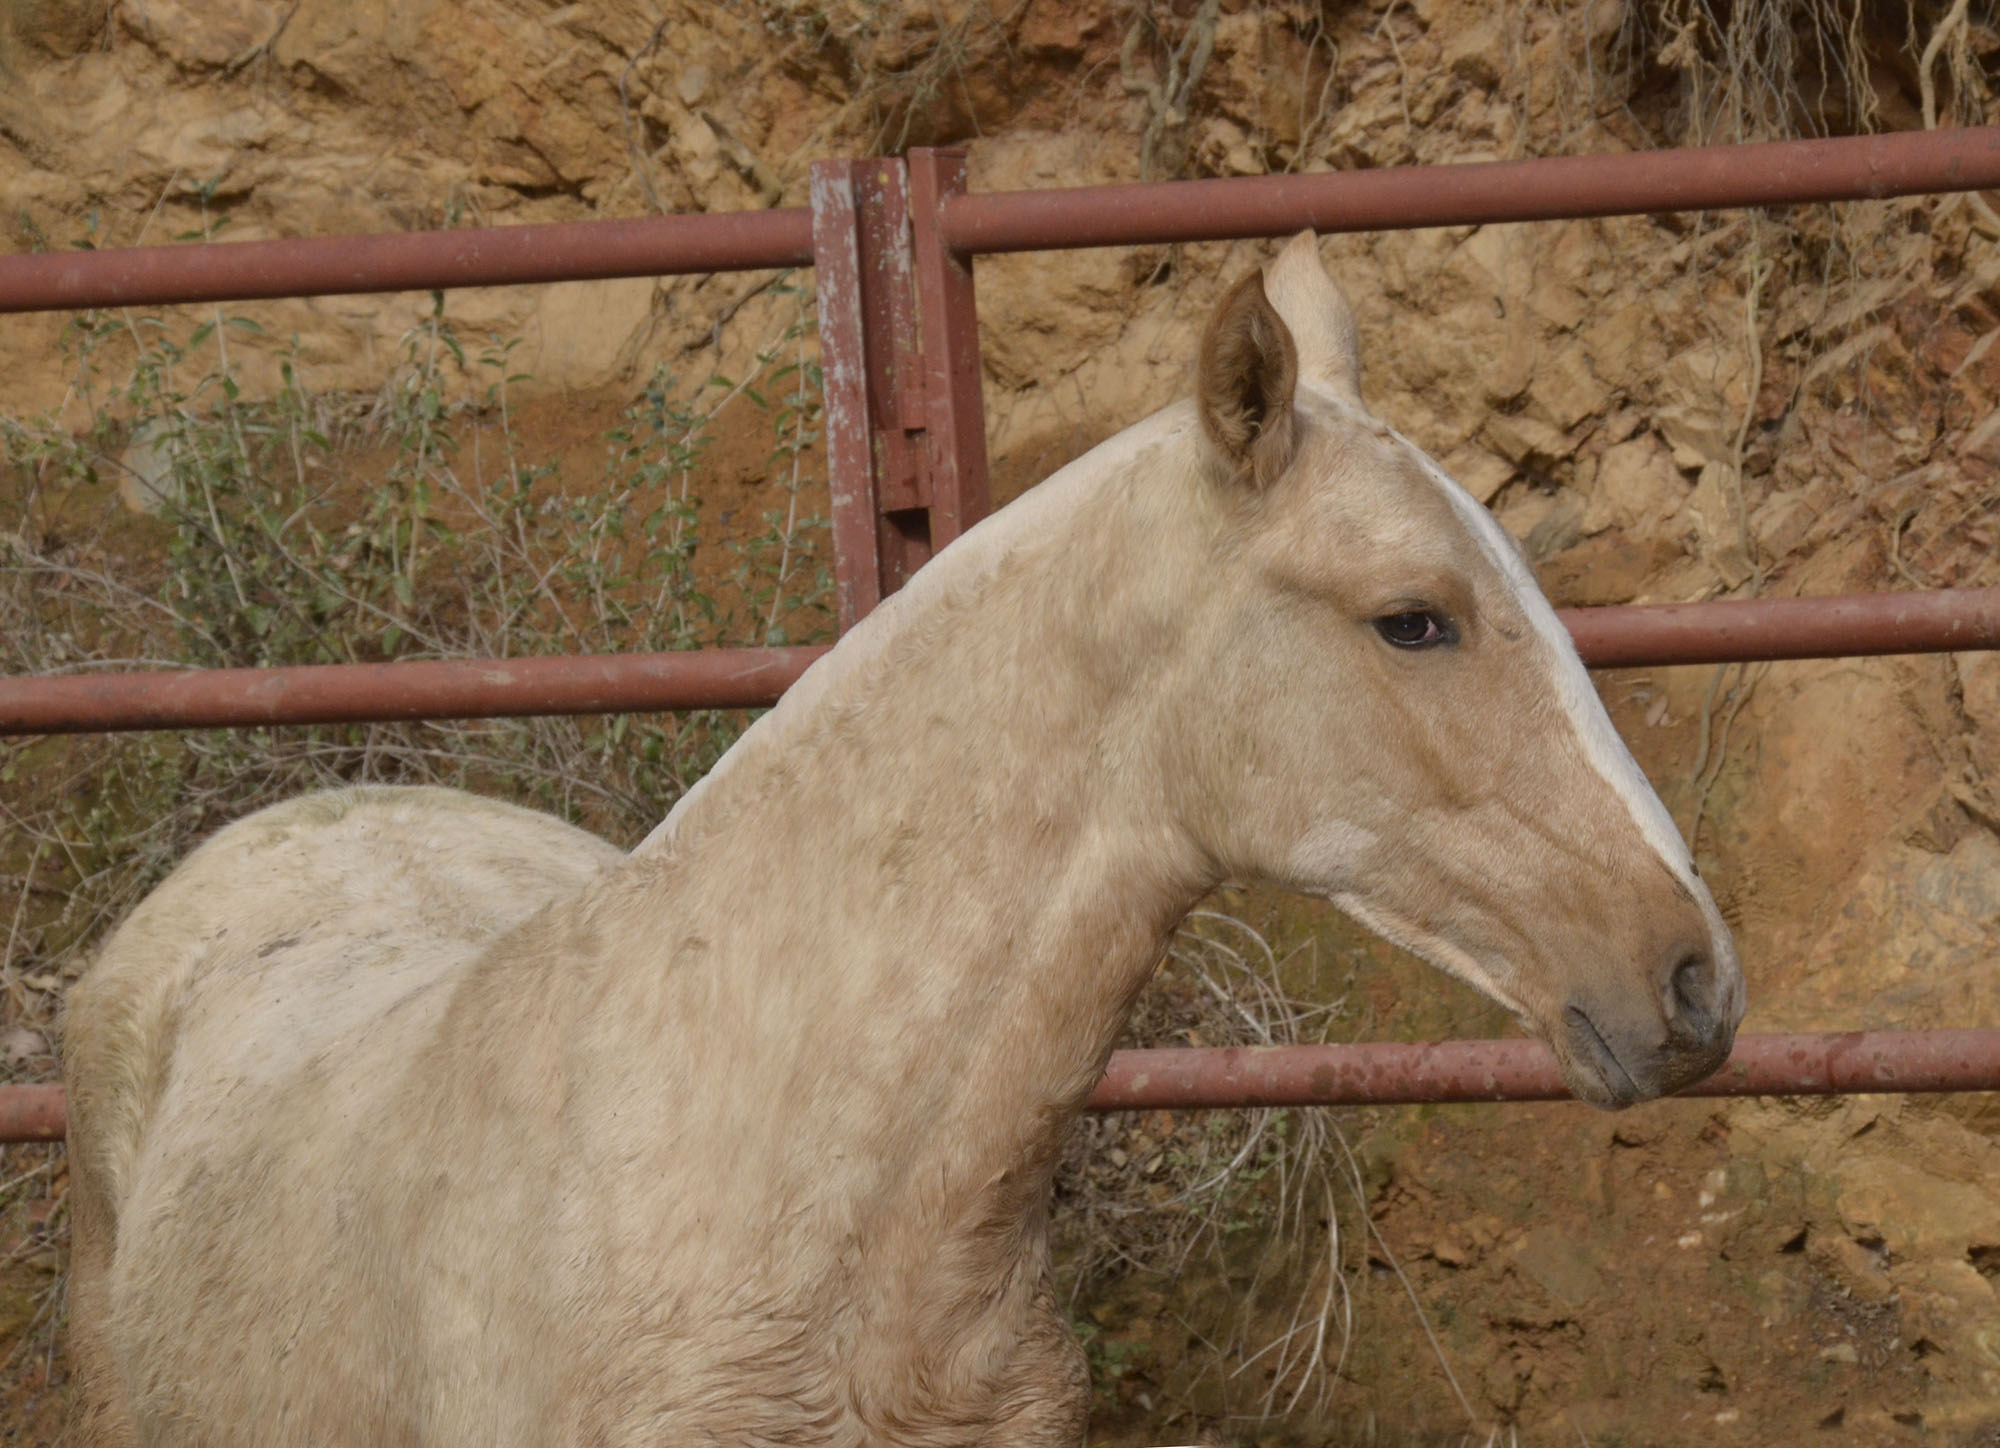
893, 239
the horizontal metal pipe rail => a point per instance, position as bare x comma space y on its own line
1381, 1073
1776, 173
420, 689
1396, 198
33, 1113
1390, 1074
1727, 631
1623, 636
484, 256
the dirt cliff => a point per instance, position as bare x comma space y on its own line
1661, 408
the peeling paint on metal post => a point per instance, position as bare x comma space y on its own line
877, 404
895, 375
955, 407
844, 377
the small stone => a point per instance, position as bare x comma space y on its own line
1713, 504
1473, 53
1637, 486
22, 1045
1565, 391
146, 479
1523, 438
1480, 472
1853, 1267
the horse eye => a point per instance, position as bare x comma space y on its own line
1419, 629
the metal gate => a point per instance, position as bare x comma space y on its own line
893, 240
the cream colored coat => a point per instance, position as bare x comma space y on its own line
402, 1117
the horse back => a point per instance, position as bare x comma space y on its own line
267, 998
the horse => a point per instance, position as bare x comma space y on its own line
406, 1118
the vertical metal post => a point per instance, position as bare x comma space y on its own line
877, 463
899, 351
836, 225
892, 348
955, 409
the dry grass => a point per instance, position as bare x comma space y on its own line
1274, 1203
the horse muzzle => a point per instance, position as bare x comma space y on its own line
1617, 1051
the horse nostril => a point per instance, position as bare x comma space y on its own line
1693, 988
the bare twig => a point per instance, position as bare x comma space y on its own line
263, 48
640, 169
1169, 90
1907, 573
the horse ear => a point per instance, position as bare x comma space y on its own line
1317, 314
1247, 374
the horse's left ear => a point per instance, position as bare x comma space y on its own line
1247, 374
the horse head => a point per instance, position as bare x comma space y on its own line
1410, 733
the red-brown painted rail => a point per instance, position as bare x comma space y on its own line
1624, 636
485, 256
1390, 1074
421, 689
1740, 630
1903, 163
1693, 178
32, 1113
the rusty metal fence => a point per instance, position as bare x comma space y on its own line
892, 241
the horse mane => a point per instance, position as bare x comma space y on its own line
957, 571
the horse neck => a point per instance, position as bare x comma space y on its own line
919, 900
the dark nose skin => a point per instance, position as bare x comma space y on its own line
1638, 1053
1691, 998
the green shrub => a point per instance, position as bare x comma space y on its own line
305, 528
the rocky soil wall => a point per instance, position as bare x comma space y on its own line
1662, 408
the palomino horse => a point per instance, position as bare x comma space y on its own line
405, 1118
